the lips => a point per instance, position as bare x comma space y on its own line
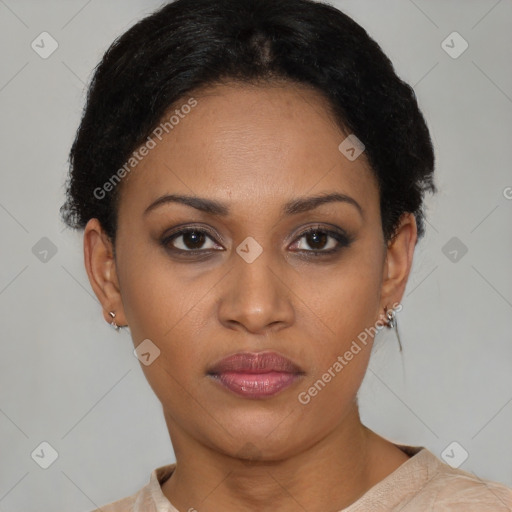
259, 362
255, 375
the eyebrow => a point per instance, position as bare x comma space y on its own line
293, 207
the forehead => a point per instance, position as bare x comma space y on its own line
248, 142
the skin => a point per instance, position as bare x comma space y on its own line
255, 148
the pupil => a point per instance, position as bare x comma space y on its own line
197, 239
317, 237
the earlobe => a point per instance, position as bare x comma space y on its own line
101, 269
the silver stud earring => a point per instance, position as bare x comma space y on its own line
392, 323
113, 323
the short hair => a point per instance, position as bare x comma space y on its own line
190, 44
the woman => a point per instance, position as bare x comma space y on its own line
249, 175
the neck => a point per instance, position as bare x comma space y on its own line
329, 475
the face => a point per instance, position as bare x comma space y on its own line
278, 249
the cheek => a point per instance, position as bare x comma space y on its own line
348, 304
152, 290
155, 311
162, 305
344, 299
342, 353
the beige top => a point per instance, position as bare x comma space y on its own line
421, 484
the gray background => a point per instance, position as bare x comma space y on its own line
68, 379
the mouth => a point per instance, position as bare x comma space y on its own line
255, 375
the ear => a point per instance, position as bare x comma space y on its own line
398, 262
101, 268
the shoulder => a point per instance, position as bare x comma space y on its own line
150, 497
453, 489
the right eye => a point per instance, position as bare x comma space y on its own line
190, 240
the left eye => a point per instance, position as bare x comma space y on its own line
320, 240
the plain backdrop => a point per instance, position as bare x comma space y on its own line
69, 380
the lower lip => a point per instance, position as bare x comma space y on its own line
256, 385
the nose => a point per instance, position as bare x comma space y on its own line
257, 297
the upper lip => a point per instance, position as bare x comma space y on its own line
255, 362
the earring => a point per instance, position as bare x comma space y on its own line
392, 323
391, 316
113, 323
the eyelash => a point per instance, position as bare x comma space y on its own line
343, 239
